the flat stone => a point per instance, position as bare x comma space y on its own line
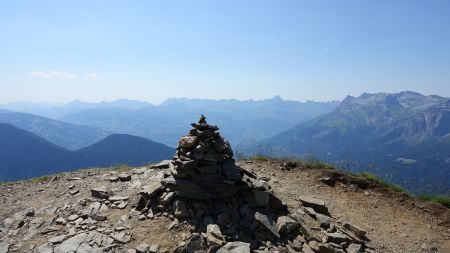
44, 248
60, 221
124, 177
316, 204
337, 237
121, 237
122, 205
152, 189
57, 239
4, 247
73, 217
98, 217
74, 179
188, 141
100, 193
323, 220
328, 181
190, 190
142, 248
235, 247
356, 230
214, 235
307, 249
320, 247
154, 249
162, 165
74, 192
118, 198
113, 179
167, 198
72, 244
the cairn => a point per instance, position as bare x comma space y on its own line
203, 167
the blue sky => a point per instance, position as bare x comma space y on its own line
57, 51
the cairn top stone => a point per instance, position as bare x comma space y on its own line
202, 125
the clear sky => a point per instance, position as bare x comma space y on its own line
57, 51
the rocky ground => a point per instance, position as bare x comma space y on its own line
68, 212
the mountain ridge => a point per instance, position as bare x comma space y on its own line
24, 154
68, 135
372, 132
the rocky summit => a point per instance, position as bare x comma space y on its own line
204, 201
229, 208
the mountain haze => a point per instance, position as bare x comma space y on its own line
240, 120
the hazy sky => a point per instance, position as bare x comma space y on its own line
57, 51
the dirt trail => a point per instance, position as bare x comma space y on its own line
394, 222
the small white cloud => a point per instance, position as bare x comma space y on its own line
93, 76
58, 75
62, 75
41, 74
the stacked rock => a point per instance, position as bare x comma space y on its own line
203, 167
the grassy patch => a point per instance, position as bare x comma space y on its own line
261, 158
371, 177
313, 163
441, 199
316, 164
122, 168
40, 179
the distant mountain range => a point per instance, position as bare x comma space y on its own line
67, 135
404, 137
56, 111
240, 121
24, 154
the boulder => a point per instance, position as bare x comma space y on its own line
286, 225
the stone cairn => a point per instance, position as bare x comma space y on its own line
203, 167
228, 207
